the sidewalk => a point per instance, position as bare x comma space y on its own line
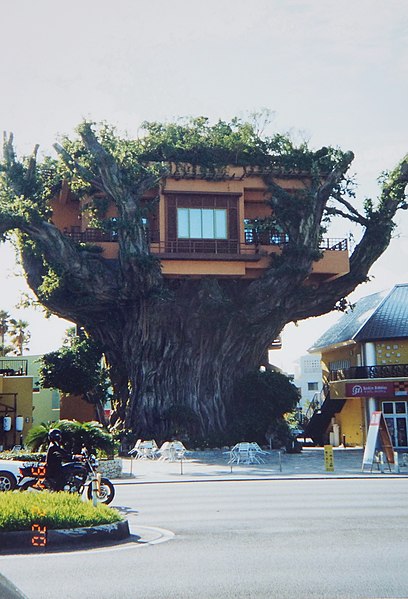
213, 465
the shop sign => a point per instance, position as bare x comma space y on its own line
369, 389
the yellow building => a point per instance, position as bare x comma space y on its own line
205, 227
365, 368
44, 403
16, 407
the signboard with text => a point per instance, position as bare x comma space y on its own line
370, 389
328, 458
378, 437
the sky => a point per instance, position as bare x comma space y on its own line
333, 73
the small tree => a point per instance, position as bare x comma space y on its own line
76, 368
260, 401
4, 325
19, 335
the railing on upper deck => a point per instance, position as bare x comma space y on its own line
253, 237
380, 371
203, 246
253, 240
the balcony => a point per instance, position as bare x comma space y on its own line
253, 239
11, 367
383, 371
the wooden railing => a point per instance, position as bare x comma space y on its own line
203, 246
253, 237
207, 246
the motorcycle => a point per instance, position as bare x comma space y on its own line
77, 476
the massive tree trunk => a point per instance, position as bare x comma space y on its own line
183, 352
183, 343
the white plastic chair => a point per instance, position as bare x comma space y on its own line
135, 450
164, 451
148, 450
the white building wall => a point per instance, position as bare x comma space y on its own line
308, 378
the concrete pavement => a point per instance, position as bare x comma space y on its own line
213, 465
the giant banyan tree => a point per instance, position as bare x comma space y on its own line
185, 252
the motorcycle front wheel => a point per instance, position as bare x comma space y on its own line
106, 491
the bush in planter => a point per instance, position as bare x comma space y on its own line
22, 456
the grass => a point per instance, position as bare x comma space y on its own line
19, 511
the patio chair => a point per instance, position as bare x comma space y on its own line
135, 450
148, 449
164, 451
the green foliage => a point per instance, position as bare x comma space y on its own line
75, 435
76, 368
260, 401
181, 422
197, 142
14, 335
22, 456
19, 511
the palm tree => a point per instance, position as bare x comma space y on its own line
19, 335
75, 435
4, 325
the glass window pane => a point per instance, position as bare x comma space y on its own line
402, 432
208, 223
391, 428
195, 223
220, 224
400, 407
182, 223
388, 407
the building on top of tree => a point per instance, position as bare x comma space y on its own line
204, 226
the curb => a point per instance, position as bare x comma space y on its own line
35, 540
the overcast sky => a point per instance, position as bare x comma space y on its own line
335, 73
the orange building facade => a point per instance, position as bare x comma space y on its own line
205, 227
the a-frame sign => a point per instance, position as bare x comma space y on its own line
378, 437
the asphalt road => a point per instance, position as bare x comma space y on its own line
250, 539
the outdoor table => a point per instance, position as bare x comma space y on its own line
145, 450
172, 451
246, 453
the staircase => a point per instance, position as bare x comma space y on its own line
324, 410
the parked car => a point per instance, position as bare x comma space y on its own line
9, 473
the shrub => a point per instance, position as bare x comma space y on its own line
19, 511
260, 401
75, 435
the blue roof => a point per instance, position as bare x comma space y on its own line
383, 315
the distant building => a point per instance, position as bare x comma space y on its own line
16, 404
45, 402
365, 369
308, 379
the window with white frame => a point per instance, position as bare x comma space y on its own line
201, 223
